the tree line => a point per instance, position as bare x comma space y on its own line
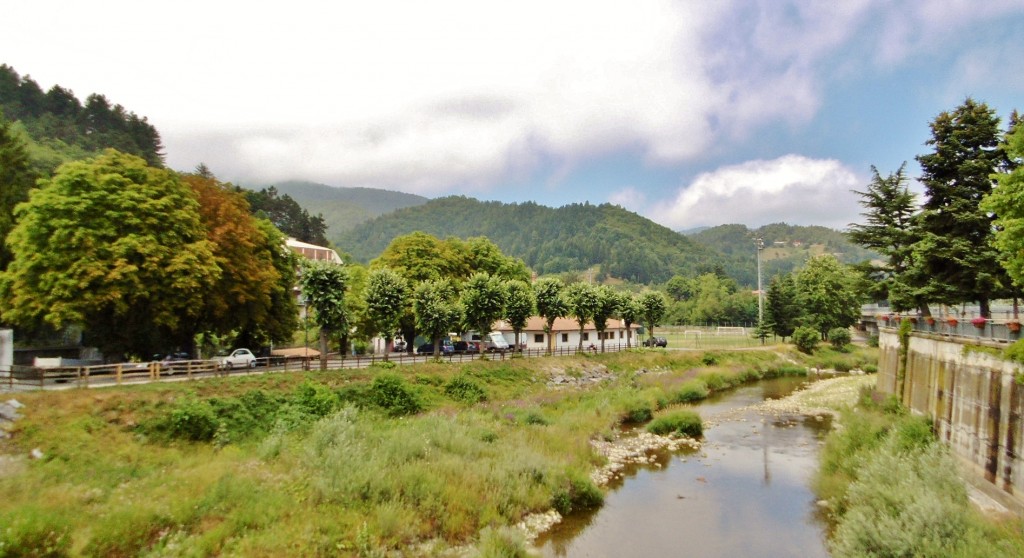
963, 242
60, 128
424, 286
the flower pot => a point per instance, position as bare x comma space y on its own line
952, 321
1013, 326
979, 323
930, 320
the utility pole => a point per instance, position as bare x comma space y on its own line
760, 294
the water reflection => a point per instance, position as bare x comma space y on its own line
744, 494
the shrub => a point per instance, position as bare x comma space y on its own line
534, 417
686, 423
693, 390
463, 389
873, 341
709, 359
316, 399
637, 410
576, 493
192, 419
806, 339
785, 371
839, 337
1015, 352
394, 396
870, 368
502, 542
714, 380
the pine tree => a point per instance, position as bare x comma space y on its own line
955, 259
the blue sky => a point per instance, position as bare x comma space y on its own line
692, 113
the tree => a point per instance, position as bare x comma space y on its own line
385, 303
436, 310
115, 246
955, 259
550, 304
889, 230
827, 293
282, 314
324, 285
520, 306
483, 302
286, 214
16, 179
652, 310
581, 299
1004, 202
242, 297
782, 310
629, 311
607, 306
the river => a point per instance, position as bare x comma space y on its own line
746, 492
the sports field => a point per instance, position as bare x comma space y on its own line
703, 337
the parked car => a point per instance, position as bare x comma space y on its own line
399, 346
656, 342
495, 342
466, 347
239, 358
447, 348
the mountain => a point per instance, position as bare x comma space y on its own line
570, 238
344, 208
786, 247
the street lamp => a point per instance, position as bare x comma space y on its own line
760, 294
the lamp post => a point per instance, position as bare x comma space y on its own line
760, 295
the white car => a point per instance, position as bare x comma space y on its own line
241, 358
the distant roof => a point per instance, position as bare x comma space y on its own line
312, 251
536, 323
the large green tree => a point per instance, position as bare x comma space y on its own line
385, 298
581, 300
325, 287
652, 309
827, 294
550, 304
607, 306
1005, 202
519, 307
483, 302
16, 179
115, 246
629, 312
955, 258
889, 210
781, 309
436, 309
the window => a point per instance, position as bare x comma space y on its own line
538, 337
565, 338
620, 334
586, 337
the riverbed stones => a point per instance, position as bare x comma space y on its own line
639, 449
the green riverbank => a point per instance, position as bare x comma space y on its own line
430, 459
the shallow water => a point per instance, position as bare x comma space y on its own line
745, 493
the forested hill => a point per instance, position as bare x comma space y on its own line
786, 248
59, 128
570, 238
344, 208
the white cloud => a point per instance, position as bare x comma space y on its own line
629, 198
791, 189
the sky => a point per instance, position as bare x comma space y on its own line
692, 113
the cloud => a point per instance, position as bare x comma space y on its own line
629, 198
791, 189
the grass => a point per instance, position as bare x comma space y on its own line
921, 511
338, 462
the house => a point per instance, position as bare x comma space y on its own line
312, 251
566, 333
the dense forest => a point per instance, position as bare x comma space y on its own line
570, 238
786, 248
59, 128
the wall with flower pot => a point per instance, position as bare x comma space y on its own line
972, 395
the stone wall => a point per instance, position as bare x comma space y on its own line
971, 394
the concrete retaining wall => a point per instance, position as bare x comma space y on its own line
970, 393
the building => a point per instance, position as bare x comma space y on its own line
566, 333
312, 251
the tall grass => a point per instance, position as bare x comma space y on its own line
343, 462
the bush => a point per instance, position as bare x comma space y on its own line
192, 419
34, 531
316, 399
806, 339
709, 359
463, 389
390, 393
839, 337
502, 542
576, 493
637, 410
1015, 352
686, 423
873, 341
693, 390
